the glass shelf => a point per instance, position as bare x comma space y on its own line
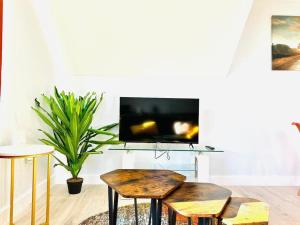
164, 149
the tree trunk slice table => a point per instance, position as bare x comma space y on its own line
202, 201
245, 211
136, 183
28, 151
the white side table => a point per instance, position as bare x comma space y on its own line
28, 151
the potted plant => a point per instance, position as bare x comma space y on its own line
70, 119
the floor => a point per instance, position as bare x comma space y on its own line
71, 210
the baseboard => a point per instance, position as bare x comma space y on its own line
24, 200
256, 180
222, 180
88, 179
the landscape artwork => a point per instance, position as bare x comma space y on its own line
286, 42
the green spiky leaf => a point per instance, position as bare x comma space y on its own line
69, 117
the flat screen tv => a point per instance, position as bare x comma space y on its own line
159, 120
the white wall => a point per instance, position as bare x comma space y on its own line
248, 114
27, 72
268, 97
153, 38
136, 48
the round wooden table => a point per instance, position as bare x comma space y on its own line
28, 151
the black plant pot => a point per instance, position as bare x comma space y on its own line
74, 185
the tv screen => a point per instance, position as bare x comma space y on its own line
164, 120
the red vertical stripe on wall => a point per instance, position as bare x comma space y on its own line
1, 26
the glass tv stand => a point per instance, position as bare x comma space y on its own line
201, 165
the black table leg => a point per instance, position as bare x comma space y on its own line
204, 221
189, 221
219, 221
136, 212
208, 221
153, 211
156, 211
116, 201
110, 205
159, 211
174, 216
170, 214
150, 214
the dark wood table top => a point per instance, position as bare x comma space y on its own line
244, 211
199, 200
138, 183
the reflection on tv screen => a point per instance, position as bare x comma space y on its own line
159, 120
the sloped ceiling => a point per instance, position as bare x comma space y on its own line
195, 38
254, 50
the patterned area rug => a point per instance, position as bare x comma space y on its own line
126, 216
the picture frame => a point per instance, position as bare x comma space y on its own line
286, 43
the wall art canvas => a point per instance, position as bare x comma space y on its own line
286, 42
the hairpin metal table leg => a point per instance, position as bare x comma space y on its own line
12, 190
174, 217
115, 208
208, 221
33, 191
219, 221
150, 215
205, 221
136, 212
153, 211
170, 214
110, 205
159, 211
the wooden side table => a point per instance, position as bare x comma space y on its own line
28, 151
136, 183
202, 201
245, 211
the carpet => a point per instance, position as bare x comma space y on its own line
126, 216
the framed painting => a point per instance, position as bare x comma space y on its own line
286, 42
